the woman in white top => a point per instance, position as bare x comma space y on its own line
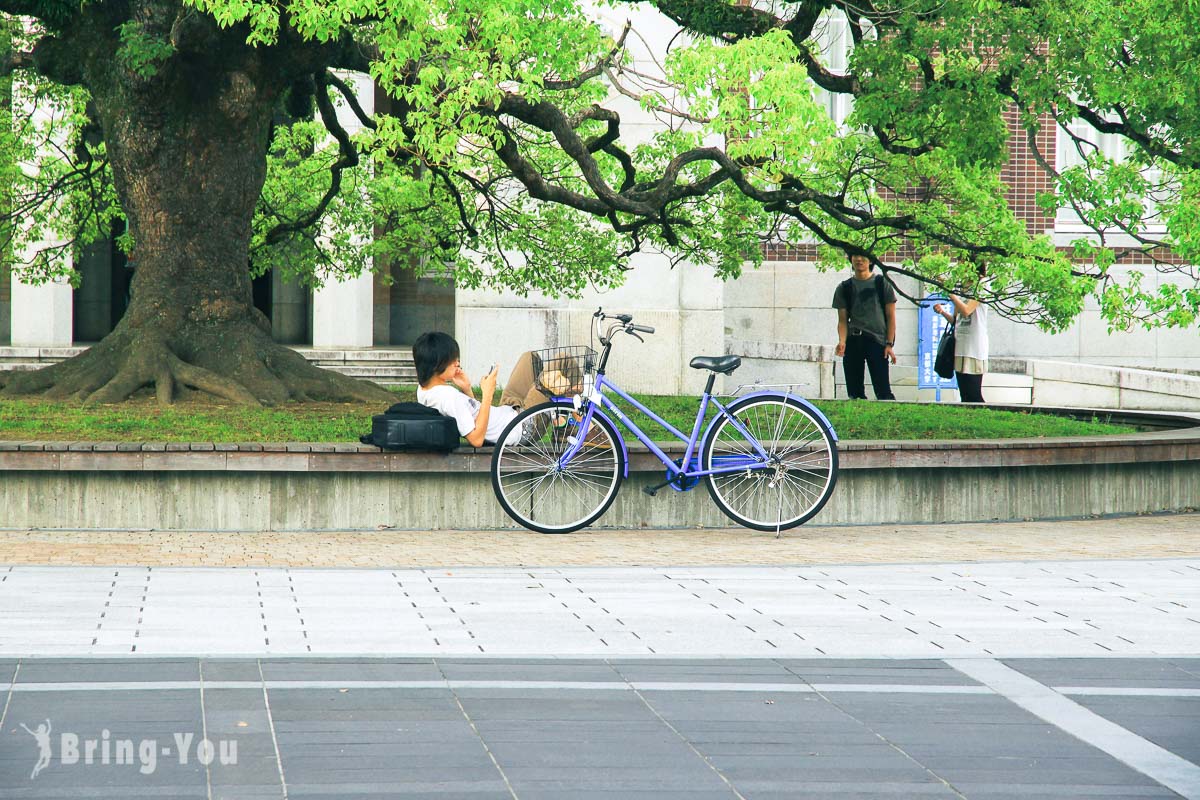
970, 319
445, 386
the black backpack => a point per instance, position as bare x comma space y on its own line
848, 294
413, 427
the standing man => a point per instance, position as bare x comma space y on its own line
866, 305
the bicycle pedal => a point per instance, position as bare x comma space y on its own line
650, 490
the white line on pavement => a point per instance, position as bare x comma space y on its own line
614, 685
1161, 765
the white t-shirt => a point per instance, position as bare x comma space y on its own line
971, 334
450, 401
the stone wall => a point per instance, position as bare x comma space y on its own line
683, 305
353, 487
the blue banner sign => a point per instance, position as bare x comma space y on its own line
930, 327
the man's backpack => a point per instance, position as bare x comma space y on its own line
846, 287
413, 427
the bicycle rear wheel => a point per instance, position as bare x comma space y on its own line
802, 463
541, 493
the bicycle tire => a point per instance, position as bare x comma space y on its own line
536, 494
807, 463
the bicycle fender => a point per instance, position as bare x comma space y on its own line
620, 438
816, 412
598, 410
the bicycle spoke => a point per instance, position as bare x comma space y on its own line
539, 489
792, 485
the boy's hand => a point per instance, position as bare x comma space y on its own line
488, 385
840, 350
462, 381
889, 354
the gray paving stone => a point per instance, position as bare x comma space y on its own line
1082, 791
635, 752
594, 730
787, 771
338, 773
406, 791
334, 670
1135, 672
466, 752
1045, 776
879, 672
229, 669
111, 793
625, 794
857, 790
740, 673
1172, 723
569, 780
249, 771
915, 709
118, 670
765, 707
468, 671
431, 730
247, 793
614, 706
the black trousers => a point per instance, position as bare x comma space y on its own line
970, 387
863, 350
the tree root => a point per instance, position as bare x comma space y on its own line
243, 367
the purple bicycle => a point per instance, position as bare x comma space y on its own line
769, 458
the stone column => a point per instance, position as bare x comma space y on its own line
343, 309
343, 313
41, 315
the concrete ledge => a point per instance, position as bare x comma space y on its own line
1168, 445
344, 486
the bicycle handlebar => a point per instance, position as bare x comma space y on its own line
624, 322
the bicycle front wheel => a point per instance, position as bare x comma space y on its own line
794, 482
540, 490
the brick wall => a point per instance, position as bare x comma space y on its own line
1024, 176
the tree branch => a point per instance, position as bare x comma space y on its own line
347, 158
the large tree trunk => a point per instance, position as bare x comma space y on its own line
188, 154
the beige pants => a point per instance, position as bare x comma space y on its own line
520, 391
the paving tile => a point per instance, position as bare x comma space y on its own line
850, 790
239, 669
745, 707
1041, 791
1172, 723
365, 670
528, 793
568, 780
467, 671
1134, 672
407, 791
120, 670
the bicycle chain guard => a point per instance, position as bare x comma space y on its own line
682, 483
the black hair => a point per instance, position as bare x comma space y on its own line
433, 351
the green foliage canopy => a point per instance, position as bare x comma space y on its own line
499, 153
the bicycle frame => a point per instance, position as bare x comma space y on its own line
596, 400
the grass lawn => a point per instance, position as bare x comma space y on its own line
143, 420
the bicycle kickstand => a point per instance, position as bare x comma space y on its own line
653, 490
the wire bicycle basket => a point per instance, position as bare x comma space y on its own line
561, 371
